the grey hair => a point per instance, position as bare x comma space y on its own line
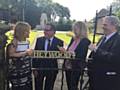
114, 20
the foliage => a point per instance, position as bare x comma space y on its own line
31, 10
64, 24
116, 7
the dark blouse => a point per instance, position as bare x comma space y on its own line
20, 68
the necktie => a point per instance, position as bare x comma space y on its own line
49, 44
102, 42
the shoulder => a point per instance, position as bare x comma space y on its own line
40, 38
117, 38
12, 44
59, 40
86, 41
28, 41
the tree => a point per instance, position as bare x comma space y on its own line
31, 10
61, 11
51, 9
116, 7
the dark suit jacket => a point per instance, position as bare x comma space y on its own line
107, 58
80, 51
47, 63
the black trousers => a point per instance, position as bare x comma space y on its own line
49, 76
72, 78
104, 82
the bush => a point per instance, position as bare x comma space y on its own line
63, 27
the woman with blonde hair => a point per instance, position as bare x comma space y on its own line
18, 53
79, 45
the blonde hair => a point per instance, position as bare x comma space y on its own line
82, 27
20, 29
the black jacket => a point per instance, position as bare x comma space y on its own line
107, 58
80, 52
46, 63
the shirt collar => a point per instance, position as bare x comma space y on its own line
51, 39
110, 35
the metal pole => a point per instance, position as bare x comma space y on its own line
62, 79
110, 13
23, 10
33, 77
95, 27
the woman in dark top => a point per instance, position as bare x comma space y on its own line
79, 45
18, 53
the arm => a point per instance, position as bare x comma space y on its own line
12, 50
35, 62
36, 45
82, 52
112, 54
61, 44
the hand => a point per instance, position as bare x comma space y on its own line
72, 52
29, 52
61, 49
92, 47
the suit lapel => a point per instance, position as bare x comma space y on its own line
112, 38
110, 41
79, 45
43, 43
53, 43
70, 43
106, 45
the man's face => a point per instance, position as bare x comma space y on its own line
48, 31
107, 26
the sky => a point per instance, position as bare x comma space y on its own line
84, 9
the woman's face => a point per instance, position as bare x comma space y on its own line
76, 30
27, 33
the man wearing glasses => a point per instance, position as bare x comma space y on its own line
48, 43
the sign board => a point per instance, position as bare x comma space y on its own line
53, 54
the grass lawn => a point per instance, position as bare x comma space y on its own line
33, 35
62, 35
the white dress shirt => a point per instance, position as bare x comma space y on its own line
46, 42
109, 36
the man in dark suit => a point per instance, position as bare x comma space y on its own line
104, 70
48, 43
